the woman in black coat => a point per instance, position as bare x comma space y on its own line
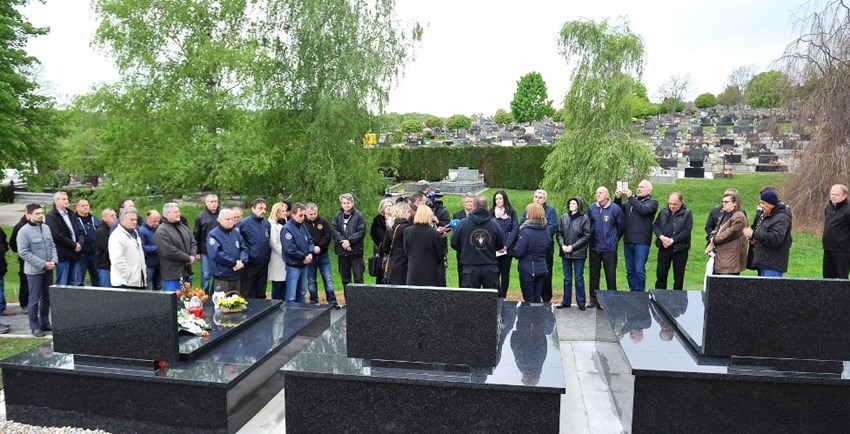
531, 248
393, 245
505, 216
378, 230
424, 249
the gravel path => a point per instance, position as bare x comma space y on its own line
10, 427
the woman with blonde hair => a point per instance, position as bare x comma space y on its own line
277, 270
393, 245
378, 230
424, 249
532, 246
728, 240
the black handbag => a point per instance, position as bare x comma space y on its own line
376, 265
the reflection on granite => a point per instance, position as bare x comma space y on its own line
686, 309
111, 322
361, 395
777, 317
435, 325
539, 360
223, 326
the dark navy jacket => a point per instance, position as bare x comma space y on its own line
477, 238
296, 243
224, 249
149, 245
532, 246
89, 225
255, 231
551, 219
608, 225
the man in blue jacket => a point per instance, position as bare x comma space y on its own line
607, 223
227, 252
255, 231
540, 197
298, 248
147, 231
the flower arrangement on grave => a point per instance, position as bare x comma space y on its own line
187, 292
233, 303
187, 322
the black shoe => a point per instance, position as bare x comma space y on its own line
336, 306
38, 333
562, 306
5, 329
47, 329
581, 308
592, 304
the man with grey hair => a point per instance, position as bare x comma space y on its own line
177, 248
126, 256
228, 253
540, 197
468, 202
68, 236
205, 222
349, 231
836, 234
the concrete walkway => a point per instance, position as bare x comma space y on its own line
589, 351
10, 214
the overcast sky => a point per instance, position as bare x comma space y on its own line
474, 51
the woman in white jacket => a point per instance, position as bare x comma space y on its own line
277, 269
128, 268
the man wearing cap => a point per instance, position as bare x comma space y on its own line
771, 238
836, 234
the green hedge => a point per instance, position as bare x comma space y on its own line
503, 166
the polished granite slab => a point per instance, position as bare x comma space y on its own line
216, 392
112, 322
676, 389
363, 395
422, 324
224, 325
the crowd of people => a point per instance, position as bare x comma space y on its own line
411, 237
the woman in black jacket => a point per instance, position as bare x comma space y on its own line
378, 230
532, 247
505, 216
392, 246
573, 236
424, 249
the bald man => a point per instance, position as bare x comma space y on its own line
639, 210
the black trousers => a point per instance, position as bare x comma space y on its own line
504, 263
23, 288
480, 276
350, 266
598, 261
666, 257
254, 280
836, 265
546, 295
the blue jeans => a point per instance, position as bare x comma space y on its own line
38, 308
174, 285
103, 278
636, 255
296, 284
771, 273
573, 268
65, 271
532, 286
154, 279
2, 295
278, 289
206, 274
323, 263
86, 264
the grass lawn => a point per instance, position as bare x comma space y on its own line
700, 195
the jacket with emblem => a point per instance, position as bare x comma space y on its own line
608, 225
224, 248
297, 243
321, 232
477, 238
256, 232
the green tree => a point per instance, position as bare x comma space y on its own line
705, 100
530, 101
599, 145
639, 104
730, 96
458, 121
247, 96
411, 126
503, 117
769, 89
434, 122
29, 123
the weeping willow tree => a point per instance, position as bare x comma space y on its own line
250, 96
819, 60
599, 145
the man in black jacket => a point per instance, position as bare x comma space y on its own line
349, 230
321, 232
101, 247
87, 263
673, 229
68, 236
836, 234
4, 247
639, 210
476, 240
23, 287
771, 237
206, 221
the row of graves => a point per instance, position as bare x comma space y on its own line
723, 144
485, 132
